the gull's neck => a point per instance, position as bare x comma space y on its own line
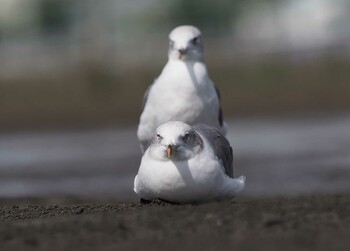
178, 68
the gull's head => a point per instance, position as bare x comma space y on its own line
175, 141
185, 43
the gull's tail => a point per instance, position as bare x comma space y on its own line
239, 183
234, 186
223, 128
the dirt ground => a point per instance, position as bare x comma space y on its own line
319, 222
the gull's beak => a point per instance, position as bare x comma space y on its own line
183, 51
169, 150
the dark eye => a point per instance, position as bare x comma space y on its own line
195, 40
158, 137
186, 137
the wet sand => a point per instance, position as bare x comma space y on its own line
319, 222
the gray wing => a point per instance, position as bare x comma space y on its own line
220, 145
221, 118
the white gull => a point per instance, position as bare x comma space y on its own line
187, 164
183, 91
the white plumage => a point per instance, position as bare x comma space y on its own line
187, 164
183, 91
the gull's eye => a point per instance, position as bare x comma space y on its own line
158, 137
186, 137
171, 43
195, 40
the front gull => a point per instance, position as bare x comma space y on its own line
183, 91
187, 164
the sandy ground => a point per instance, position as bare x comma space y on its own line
302, 223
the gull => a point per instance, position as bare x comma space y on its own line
187, 164
183, 91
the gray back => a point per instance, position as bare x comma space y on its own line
220, 145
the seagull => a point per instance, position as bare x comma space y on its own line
187, 164
183, 91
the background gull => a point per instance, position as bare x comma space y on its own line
187, 164
183, 91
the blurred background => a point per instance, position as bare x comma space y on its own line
73, 74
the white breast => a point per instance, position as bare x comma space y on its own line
201, 178
182, 92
